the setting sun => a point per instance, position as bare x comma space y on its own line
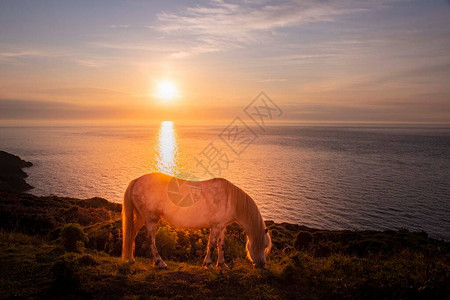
166, 90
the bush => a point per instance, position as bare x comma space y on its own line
303, 240
87, 260
166, 240
72, 237
106, 237
322, 250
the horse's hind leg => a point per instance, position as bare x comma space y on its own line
138, 223
152, 227
213, 235
221, 247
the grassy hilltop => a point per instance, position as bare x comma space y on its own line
53, 247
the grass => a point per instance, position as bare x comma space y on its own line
305, 263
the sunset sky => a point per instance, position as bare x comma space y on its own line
320, 61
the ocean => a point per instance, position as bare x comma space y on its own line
329, 177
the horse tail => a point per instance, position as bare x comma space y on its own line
128, 212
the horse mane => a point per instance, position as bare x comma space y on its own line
247, 214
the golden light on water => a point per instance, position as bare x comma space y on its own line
167, 150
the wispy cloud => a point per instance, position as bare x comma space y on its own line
120, 26
90, 63
18, 54
224, 25
135, 46
10, 56
274, 80
88, 55
82, 91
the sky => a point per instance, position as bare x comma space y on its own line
385, 61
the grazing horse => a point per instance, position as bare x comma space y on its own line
213, 204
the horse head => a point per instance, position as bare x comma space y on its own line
258, 248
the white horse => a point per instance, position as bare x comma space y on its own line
214, 204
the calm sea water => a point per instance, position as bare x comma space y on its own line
324, 177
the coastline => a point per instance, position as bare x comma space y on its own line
305, 262
12, 177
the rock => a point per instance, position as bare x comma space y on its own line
11, 173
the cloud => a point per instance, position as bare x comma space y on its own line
17, 54
90, 63
25, 109
305, 56
12, 109
133, 47
36, 110
274, 80
224, 25
120, 26
422, 74
432, 109
82, 92
12, 55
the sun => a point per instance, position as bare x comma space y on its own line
166, 90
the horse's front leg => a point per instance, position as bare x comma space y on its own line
152, 227
221, 247
213, 235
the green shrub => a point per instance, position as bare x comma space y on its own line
106, 237
166, 239
299, 260
72, 237
303, 240
322, 249
87, 260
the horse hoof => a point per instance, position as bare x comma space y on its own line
223, 266
208, 266
162, 266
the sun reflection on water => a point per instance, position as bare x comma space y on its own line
167, 150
